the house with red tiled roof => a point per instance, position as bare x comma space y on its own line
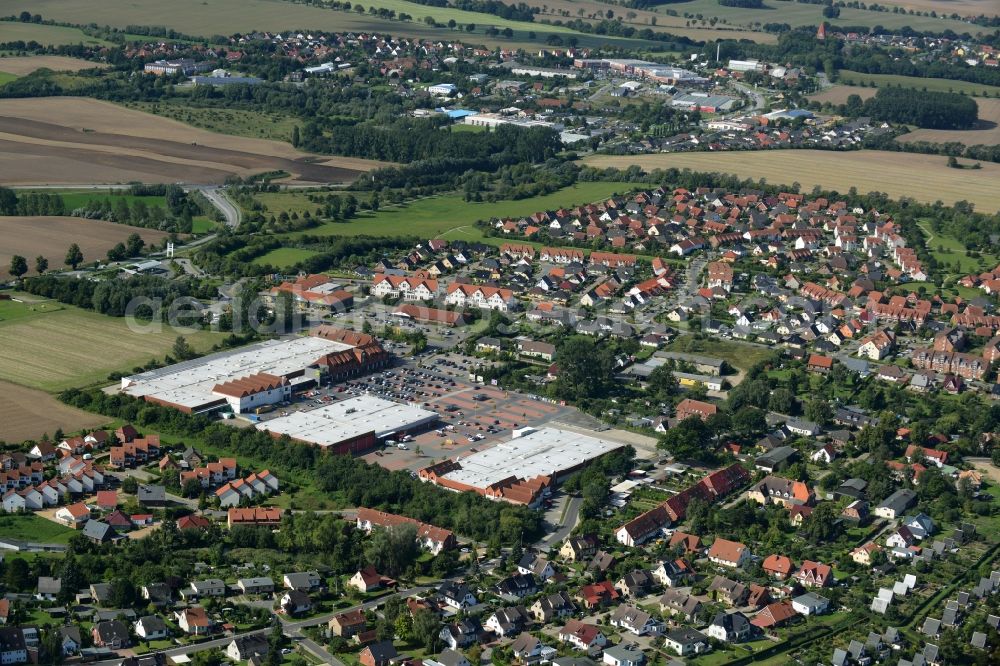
689, 407
583, 636
814, 574
728, 553
774, 615
74, 515
777, 566
193, 522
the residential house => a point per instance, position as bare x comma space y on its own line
111, 634
680, 603
151, 628
635, 583
730, 627
635, 620
685, 641
348, 623
294, 602
582, 636
552, 607
730, 592
896, 504
579, 548
728, 553
194, 621
810, 604
305, 581
381, 653
672, 573
245, 648
624, 655
814, 574
507, 622
457, 595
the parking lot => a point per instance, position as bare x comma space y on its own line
473, 416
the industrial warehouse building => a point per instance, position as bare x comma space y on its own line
258, 375
521, 470
354, 425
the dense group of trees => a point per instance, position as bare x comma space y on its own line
115, 207
353, 480
934, 110
233, 255
407, 139
112, 297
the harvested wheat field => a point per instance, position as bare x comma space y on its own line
28, 414
69, 141
51, 236
838, 94
922, 177
28, 64
987, 130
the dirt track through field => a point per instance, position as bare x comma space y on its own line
28, 414
65, 138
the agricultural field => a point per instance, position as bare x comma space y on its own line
594, 10
67, 141
922, 177
27, 413
6, 77
51, 236
446, 216
237, 122
797, 14
850, 77
20, 66
46, 35
987, 130
960, 7
838, 94
52, 347
225, 17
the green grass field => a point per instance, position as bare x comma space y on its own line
284, 256
47, 35
6, 78
472, 129
450, 216
52, 347
850, 77
29, 527
950, 252
237, 122
737, 354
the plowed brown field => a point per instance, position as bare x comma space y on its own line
67, 141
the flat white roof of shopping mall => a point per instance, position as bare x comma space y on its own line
190, 383
340, 421
542, 452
